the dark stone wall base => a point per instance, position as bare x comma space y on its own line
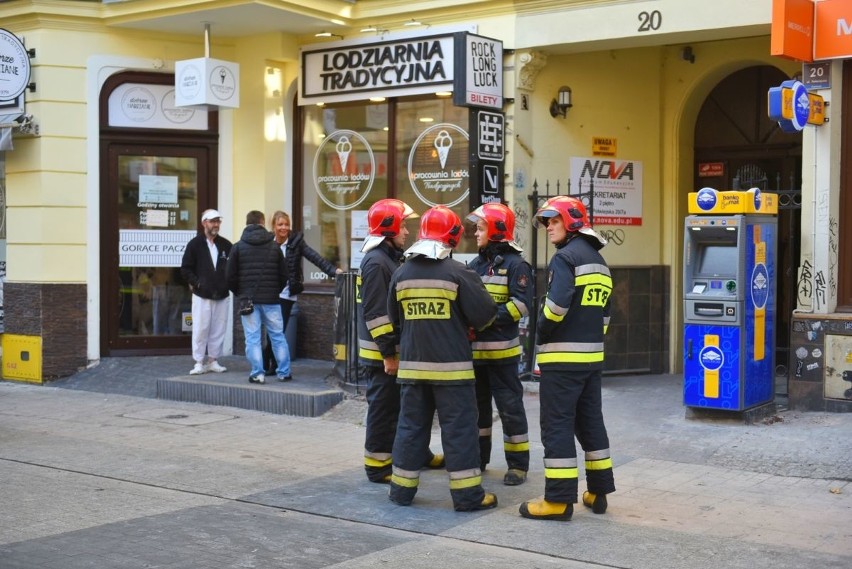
55, 312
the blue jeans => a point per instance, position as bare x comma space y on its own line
268, 315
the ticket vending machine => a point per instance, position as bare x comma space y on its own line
729, 262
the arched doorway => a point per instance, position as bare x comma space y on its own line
737, 146
158, 172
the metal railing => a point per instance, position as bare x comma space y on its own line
536, 201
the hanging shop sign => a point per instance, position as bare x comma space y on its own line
833, 29
402, 65
479, 77
806, 30
793, 106
14, 66
206, 83
792, 29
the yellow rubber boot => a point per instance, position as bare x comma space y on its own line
436, 462
541, 509
488, 501
597, 502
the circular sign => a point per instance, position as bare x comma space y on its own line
223, 84
801, 105
172, 112
14, 66
341, 181
438, 165
711, 358
758, 199
189, 82
759, 285
138, 104
706, 198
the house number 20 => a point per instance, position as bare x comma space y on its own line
649, 21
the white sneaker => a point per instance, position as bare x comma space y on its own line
198, 369
215, 367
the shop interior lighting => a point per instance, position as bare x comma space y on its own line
325, 34
412, 23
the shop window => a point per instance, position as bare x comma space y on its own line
354, 154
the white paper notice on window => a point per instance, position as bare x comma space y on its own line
360, 227
158, 189
157, 218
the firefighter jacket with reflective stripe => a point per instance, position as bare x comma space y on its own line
508, 279
575, 313
376, 337
433, 304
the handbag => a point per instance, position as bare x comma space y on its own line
246, 306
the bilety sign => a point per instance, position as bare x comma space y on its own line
14, 66
617, 188
344, 169
438, 165
479, 77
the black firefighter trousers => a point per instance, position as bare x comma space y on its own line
456, 407
571, 405
501, 382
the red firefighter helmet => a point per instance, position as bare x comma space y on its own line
384, 219
499, 221
574, 216
572, 210
441, 224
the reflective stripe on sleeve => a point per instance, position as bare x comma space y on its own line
553, 311
379, 326
369, 350
496, 350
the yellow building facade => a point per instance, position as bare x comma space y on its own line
666, 96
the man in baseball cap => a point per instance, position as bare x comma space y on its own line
203, 268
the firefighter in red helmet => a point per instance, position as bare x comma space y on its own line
570, 339
377, 340
497, 349
433, 300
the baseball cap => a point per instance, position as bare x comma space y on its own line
210, 214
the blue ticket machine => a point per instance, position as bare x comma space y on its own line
729, 262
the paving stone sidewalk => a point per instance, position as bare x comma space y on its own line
96, 478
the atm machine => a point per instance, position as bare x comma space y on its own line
729, 263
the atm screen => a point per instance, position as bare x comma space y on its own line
718, 260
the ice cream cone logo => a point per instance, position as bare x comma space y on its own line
443, 143
344, 147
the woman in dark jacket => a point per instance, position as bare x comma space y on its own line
293, 246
